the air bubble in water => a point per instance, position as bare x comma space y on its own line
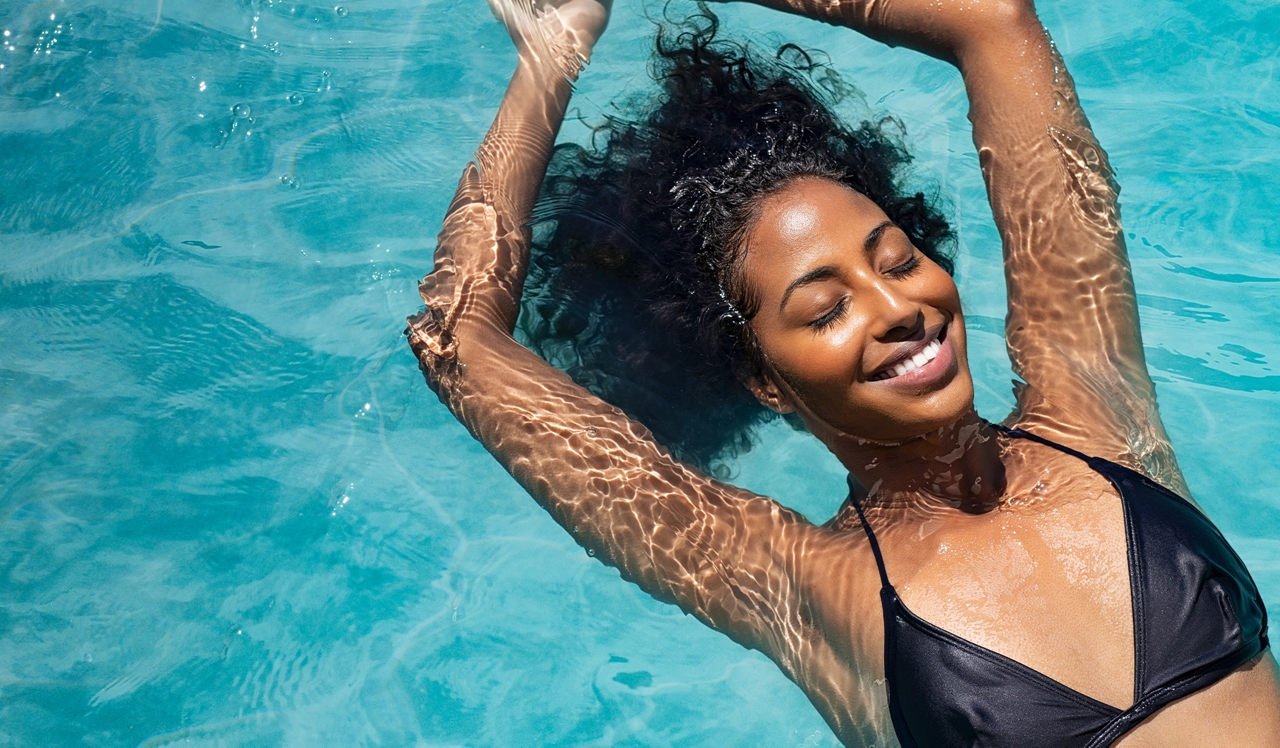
295, 99
240, 111
341, 11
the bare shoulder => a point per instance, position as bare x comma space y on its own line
1130, 434
835, 649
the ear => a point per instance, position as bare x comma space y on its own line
770, 394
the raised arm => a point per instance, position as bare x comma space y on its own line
1072, 326
720, 553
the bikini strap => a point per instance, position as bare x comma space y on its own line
871, 536
1028, 435
875, 546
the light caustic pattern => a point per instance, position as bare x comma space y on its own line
762, 574
232, 514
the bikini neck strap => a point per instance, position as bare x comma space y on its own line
1021, 434
871, 536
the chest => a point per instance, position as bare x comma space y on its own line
1003, 624
1045, 585
1044, 580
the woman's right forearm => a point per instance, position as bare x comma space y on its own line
514, 154
679, 535
482, 250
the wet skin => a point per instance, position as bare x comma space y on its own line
1038, 550
843, 296
1007, 543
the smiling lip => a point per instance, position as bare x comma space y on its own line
917, 364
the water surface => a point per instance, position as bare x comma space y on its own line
231, 513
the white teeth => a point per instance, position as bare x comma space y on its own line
929, 353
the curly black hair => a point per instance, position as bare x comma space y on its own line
634, 286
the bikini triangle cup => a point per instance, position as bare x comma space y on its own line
1197, 618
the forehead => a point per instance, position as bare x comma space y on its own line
808, 223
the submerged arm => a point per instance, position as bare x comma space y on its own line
720, 553
1072, 327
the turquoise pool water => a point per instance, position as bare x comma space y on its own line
231, 513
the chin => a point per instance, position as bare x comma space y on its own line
902, 419
902, 430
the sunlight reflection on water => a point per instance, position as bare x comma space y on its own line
233, 514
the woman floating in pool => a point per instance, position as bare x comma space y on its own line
737, 251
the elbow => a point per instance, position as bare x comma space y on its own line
1012, 18
1009, 14
1015, 10
997, 27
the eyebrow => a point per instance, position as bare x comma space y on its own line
873, 236
813, 276
830, 271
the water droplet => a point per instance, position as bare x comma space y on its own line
240, 111
295, 99
591, 552
341, 11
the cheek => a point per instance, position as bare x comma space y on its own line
832, 360
818, 367
938, 289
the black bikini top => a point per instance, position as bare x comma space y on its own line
1197, 617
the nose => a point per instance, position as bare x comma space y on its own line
897, 318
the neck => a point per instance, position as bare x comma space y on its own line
957, 466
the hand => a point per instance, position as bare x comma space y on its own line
559, 33
942, 28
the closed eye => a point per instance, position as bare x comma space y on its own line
906, 268
830, 318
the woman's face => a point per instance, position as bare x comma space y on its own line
860, 330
